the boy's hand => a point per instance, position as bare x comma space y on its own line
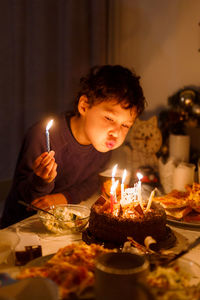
49, 201
45, 166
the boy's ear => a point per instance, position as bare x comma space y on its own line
83, 105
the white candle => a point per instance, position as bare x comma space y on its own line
139, 176
122, 184
150, 199
47, 134
114, 170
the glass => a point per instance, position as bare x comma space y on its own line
120, 275
8, 243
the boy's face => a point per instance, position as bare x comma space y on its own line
105, 125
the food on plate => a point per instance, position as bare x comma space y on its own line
129, 220
72, 268
174, 282
178, 213
67, 217
194, 197
182, 205
175, 199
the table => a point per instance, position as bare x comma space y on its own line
32, 232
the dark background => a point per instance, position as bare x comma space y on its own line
46, 46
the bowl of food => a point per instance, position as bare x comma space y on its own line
66, 218
8, 242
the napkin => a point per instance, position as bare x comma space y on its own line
166, 171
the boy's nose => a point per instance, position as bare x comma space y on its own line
115, 132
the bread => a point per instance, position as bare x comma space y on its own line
178, 213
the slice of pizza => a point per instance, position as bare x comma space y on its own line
175, 199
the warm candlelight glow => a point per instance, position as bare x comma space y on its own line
113, 187
139, 176
122, 184
49, 125
114, 170
112, 194
47, 134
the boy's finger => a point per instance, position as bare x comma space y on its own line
53, 173
45, 161
45, 170
38, 160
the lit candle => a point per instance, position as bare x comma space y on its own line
122, 184
139, 176
112, 194
114, 170
47, 134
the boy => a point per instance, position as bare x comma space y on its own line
109, 100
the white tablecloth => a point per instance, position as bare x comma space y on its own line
32, 232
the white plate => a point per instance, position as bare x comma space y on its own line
183, 223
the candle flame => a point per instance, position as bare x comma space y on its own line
114, 170
49, 125
139, 176
113, 187
124, 176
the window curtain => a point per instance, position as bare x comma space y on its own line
46, 46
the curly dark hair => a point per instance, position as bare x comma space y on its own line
112, 81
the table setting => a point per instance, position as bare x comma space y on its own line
32, 232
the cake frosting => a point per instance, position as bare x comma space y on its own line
128, 220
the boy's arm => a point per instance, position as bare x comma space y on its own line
48, 201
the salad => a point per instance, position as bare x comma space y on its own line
65, 218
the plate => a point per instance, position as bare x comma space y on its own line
39, 261
183, 223
183, 283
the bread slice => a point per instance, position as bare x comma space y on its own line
178, 213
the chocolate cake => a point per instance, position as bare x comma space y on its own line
129, 220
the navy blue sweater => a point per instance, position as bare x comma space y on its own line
77, 171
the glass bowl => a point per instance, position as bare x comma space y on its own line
8, 243
68, 218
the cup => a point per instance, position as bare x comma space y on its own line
179, 147
120, 275
183, 175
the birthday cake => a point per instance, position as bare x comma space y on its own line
127, 220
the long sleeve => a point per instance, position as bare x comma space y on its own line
28, 185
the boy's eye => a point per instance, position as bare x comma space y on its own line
125, 126
108, 118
